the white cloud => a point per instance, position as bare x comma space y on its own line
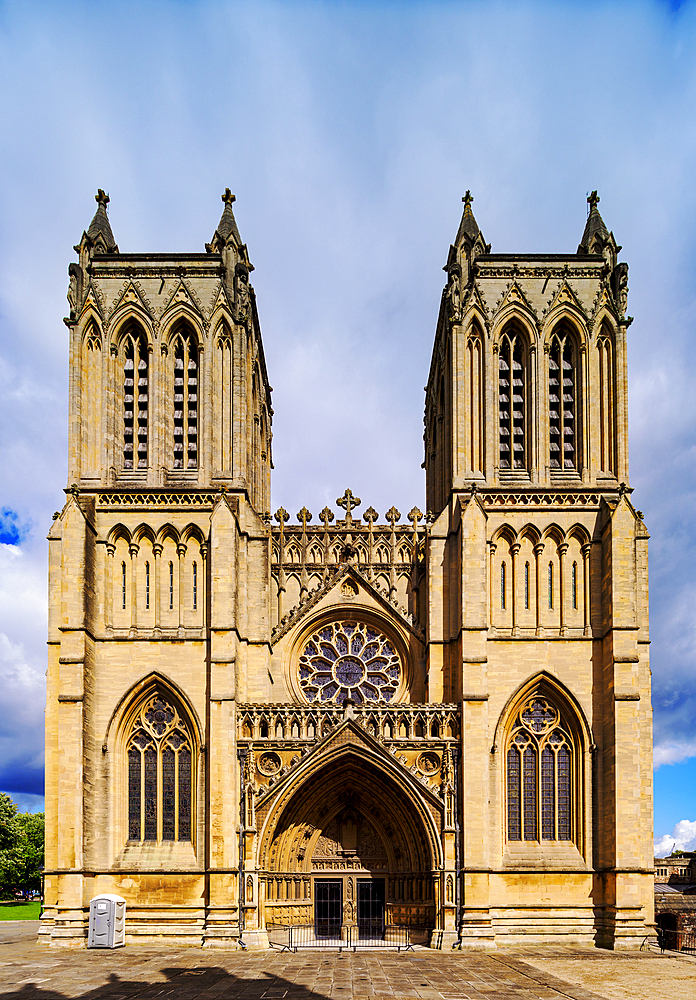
673, 753
682, 838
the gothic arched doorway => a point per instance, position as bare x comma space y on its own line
350, 846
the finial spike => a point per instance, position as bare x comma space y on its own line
102, 198
228, 197
468, 198
593, 200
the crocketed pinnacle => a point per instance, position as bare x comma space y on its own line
468, 226
100, 225
594, 225
228, 225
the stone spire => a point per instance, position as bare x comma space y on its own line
227, 227
468, 227
100, 228
597, 239
596, 233
468, 245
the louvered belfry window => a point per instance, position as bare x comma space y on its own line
539, 776
135, 402
511, 403
160, 759
186, 403
562, 404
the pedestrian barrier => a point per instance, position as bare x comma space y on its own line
669, 940
293, 937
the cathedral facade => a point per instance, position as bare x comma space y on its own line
361, 726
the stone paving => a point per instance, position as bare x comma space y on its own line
136, 973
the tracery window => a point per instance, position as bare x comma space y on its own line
540, 766
135, 402
185, 403
563, 452
349, 660
160, 762
512, 402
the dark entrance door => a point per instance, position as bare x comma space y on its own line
328, 908
371, 907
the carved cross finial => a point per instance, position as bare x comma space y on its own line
326, 516
304, 517
228, 197
593, 200
414, 516
393, 515
370, 515
467, 199
102, 198
349, 503
281, 516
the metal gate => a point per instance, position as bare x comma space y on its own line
371, 908
328, 908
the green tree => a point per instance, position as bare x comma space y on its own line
21, 847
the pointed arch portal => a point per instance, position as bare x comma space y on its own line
350, 845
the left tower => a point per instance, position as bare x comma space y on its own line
158, 585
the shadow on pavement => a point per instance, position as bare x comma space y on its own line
179, 983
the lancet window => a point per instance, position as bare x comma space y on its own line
135, 402
563, 451
160, 774
607, 436
512, 402
185, 403
540, 770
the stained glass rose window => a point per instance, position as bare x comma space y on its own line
349, 660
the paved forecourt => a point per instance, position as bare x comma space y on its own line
29, 970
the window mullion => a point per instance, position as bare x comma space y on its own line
555, 795
142, 796
160, 794
176, 795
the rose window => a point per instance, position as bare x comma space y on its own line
349, 660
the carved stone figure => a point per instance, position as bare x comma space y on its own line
620, 282
74, 288
241, 294
454, 296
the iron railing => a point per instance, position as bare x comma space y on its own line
669, 940
292, 937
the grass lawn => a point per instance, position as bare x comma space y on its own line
20, 911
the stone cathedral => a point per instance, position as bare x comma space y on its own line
356, 723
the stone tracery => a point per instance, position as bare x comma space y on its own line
349, 660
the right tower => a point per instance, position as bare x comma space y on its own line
537, 619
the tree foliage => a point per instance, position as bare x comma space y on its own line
21, 847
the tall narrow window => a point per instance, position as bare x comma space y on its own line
539, 774
550, 586
195, 586
574, 585
135, 402
123, 585
607, 435
562, 403
159, 774
512, 403
526, 586
171, 586
502, 586
185, 403
147, 585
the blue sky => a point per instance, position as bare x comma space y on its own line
349, 132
